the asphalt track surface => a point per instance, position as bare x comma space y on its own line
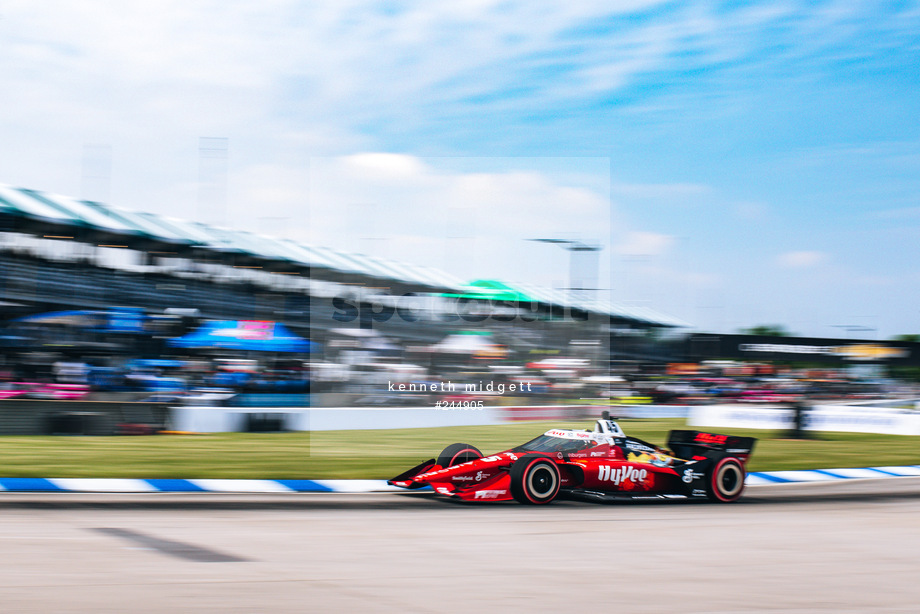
850, 546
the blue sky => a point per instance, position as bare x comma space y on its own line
742, 163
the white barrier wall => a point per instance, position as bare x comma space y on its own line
650, 411
863, 420
234, 419
209, 419
847, 418
843, 418
772, 417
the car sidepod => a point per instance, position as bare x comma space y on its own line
611, 479
629, 477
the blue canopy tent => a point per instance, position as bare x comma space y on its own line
254, 335
113, 320
82, 318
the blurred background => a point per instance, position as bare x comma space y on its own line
601, 205
118, 321
253, 252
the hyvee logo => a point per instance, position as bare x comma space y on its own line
621, 474
468, 310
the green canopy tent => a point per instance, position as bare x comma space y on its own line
490, 289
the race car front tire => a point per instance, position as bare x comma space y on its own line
457, 453
534, 480
726, 481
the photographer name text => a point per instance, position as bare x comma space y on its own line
449, 386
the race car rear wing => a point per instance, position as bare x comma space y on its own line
687, 444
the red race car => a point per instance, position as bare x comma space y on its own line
603, 464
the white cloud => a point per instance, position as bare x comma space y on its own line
387, 165
475, 223
665, 191
645, 244
287, 81
802, 259
149, 79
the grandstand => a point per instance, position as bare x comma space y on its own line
61, 253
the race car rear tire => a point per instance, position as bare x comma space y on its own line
457, 453
726, 480
534, 479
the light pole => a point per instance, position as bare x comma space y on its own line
583, 274
583, 267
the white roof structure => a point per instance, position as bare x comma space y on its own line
42, 209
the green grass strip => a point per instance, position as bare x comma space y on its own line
383, 454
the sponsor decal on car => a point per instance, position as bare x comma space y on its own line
572, 434
605, 473
690, 475
710, 438
489, 494
480, 476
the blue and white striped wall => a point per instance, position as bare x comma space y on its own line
760, 478
113, 485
